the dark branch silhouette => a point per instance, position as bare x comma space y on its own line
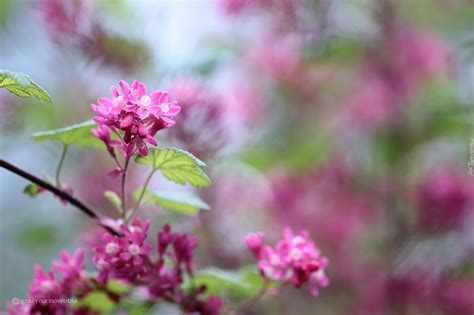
58, 192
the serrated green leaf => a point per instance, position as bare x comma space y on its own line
177, 165
114, 199
185, 203
31, 190
22, 85
78, 134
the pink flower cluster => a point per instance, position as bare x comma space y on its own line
444, 200
235, 7
124, 257
63, 19
203, 129
387, 80
80, 25
129, 260
295, 260
133, 116
47, 287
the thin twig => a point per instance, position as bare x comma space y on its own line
254, 299
60, 165
124, 192
58, 192
142, 194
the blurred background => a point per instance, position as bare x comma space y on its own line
349, 118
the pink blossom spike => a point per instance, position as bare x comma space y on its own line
294, 260
135, 115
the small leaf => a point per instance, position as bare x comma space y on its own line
32, 190
245, 281
78, 134
118, 287
139, 308
36, 236
177, 165
185, 203
22, 85
114, 199
97, 301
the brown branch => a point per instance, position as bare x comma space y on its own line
58, 192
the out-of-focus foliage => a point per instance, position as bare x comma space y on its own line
350, 119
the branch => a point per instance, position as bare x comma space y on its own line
58, 192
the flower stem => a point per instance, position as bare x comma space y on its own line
60, 165
124, 189
56, 191
251, 301
142, 194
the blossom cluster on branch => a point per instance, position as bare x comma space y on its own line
138, 115
295, 260
129, 260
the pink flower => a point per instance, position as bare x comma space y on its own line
254, 242
203, 129
63, 19
277, 55
387, 80
103, 133
294, 260
237, 6
72, 270
444, 199
182, 245
456, 296
44, 285
124, 257
211, 306
134, 116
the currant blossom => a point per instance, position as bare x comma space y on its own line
295, 260
204, 127
72, 270
47, 287
127, 259
124, 257
136, 114
444, 200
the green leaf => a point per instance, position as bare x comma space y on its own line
138, 308
36, 236
31, 190
22, 85
78, 134
245, 281
114, 199
185, 203
118, 287
97, 301
177, 165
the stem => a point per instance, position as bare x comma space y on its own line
124, 186
58, 192
253, 299
60, 165
142, 194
